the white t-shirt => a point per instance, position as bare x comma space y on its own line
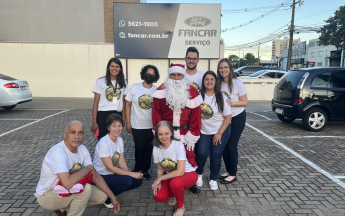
238, 90
168, 157
59, 159
141, 111
107, 93
195, 80
107, 148
211, 118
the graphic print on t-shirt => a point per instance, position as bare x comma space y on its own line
206, 111
109, 93
168, 164
195, 85
115, 158
76, 167
226, 94
145, 102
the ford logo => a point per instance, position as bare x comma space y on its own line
198, 21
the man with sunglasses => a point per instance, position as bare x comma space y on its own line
193, 75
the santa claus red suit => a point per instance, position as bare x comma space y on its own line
178, 103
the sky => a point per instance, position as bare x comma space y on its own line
311, 12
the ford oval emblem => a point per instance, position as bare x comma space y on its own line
198, 21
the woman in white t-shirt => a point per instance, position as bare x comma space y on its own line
109, 155
174, 172
110, 92
215, 129
139, 118
236, 93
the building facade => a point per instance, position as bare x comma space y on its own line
279, 45
319, 54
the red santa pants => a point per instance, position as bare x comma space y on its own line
190, 156
175, 188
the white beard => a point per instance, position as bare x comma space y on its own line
177, 94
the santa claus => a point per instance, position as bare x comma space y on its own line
178, 102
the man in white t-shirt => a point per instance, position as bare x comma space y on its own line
61, 161
193, 75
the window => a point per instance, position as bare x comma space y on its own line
319, 64
321, 80
320, 53
327, 53
318, 43
326, 62
279, 75
268, 75
312, 54
338, 79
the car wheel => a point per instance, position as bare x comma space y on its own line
9, 107
315, 119
285, 119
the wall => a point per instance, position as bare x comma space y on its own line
52, 21
259, 89
70, 70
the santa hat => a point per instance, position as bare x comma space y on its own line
179, 68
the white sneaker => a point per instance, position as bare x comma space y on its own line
199, 182
110, 205
213, 185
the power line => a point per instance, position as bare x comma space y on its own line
260, 17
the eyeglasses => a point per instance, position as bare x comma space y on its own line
175, 75
221, 68
192, 59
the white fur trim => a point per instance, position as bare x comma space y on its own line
176, 119
153, 132
195, 102
177, 69
76, 188
59, 189
190, 138
160, 94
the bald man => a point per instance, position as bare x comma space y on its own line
67, 157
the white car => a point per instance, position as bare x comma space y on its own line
13, 91
267, 74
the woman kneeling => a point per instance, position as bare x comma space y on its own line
109, 154
174, 173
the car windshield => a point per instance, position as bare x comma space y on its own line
238, 69
256, 74
8, 78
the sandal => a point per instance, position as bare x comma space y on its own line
180, 211
172, 201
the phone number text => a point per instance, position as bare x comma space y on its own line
147, 24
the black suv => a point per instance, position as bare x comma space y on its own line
247, 70
314, 94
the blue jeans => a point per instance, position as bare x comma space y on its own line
230, 155
120, 183
205, 147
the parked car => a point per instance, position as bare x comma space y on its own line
315, 95
265, 74
247, 70
268, 67
13, 91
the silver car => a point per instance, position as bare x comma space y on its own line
265, 74
13, 91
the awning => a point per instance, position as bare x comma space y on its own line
335, 56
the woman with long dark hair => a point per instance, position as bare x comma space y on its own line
215, 129
236, 93
110, 92
174, 172
139, 118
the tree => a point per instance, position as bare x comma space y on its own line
233, 58
333, 33
251, 59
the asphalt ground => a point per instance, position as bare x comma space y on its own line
283, 169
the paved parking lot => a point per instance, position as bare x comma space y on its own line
283, 169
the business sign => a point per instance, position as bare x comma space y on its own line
166, 30
299, 48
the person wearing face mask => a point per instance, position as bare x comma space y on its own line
139, 118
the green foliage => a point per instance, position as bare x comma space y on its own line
333, 33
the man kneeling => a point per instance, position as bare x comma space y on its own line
69, 162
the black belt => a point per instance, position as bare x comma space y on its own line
186, 126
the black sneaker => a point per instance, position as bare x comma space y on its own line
195, 189
147, 176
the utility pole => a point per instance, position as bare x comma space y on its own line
292, 28
239, 57
259, 54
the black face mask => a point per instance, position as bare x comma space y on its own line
149, 78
